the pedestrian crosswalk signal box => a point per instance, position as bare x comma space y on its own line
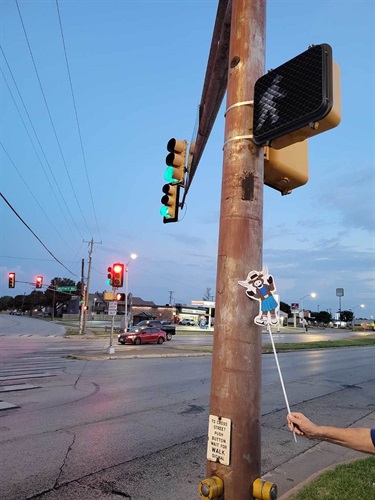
297, 100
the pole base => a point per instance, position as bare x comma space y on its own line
111, 350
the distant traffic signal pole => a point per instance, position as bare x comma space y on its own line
236, 363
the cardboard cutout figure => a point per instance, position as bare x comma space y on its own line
259, 286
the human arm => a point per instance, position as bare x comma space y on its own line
356, 439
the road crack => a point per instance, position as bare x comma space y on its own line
56, 485
79, 376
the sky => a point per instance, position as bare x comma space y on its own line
137, 70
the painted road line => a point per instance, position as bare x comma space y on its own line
18, 387
7, 406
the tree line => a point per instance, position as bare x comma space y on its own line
40, 299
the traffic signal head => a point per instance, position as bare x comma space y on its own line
120, 297
297, 100
175, 161
39, 282
11, 280
110, 276
288, 168
118, 275
170, 200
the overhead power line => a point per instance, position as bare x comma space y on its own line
40, 145
51, 120
37, 237
77, 120
28, 258
32, 194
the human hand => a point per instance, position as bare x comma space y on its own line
301, 425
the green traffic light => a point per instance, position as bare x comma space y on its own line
164, 212
168, 175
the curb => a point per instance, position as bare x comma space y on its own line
110, 357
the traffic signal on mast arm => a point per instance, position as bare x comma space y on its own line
170, 200
299, 99
176, 161
11, 280
288, 168
39, 282
120, 297
118, 275
110, 276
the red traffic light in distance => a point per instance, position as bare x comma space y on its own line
11, 280
39, 282
118, 275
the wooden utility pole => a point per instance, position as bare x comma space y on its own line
82, 295
87, 289
236, 363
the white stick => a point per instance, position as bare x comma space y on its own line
280, 375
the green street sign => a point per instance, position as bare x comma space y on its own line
66, 289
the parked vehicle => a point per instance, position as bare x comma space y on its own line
339, 324
142, 335
187, 322
168, 329
165, 321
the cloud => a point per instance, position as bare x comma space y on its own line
187, 239
352, 195
322, 269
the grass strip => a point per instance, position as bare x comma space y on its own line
346, 482
323, 344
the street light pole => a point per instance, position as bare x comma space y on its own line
312, 294
355, 307
132, 257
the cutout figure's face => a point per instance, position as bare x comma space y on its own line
258, 283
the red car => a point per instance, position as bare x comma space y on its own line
142, 335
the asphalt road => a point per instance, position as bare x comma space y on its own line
186, 336
137, 427
25, 325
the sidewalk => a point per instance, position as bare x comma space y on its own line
291, 476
